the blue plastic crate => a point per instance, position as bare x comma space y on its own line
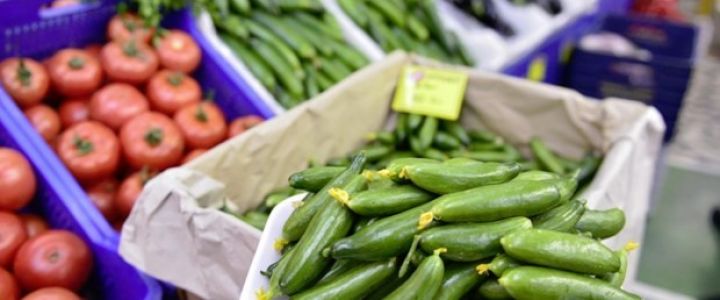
27, 29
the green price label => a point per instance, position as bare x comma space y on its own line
431, 92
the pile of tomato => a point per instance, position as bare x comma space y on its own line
45, 263
118, 113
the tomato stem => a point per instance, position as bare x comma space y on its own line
23, 73
154, 136
175, 79
130, 49
76, 63
200, 114
83, 146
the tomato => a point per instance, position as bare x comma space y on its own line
128, 62
25, 80
17, 180
153, 140
74, 72
9, 289
34, 225
90, 150
94, 50
126, 26
130, 190
118, 225
73, 111
45, 120
178, 51
12, 236
193, 155
51, 293
102, 195
241, 124
169, 91
202, 124
55, 258
116, 103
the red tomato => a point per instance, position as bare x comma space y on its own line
54, 258
130, 190
202, 124
34, 225
9, 289
118, 225
90, 150
193, 155
17, 180
129, 62
153, 140
241, 124
12, 236
102, 195
25, 80
116, 103
51, 293
94, 50
73, 111
178, 51
126, 26
45, 120
75, 72
169, 91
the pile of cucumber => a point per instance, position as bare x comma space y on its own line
410, 25
431, 211
293, 47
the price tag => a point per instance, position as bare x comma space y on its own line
431, 92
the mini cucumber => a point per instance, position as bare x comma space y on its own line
390, 285
234, 26
380, 32
545, 157
616, 279
588, 166
260, 31
415, 145
459, 279
406, 41
324, 81
277, 272
417, 28
338, 268
279, 66
460, 161
362, 222
529, 282
312, 88
255, 219
536, 175
469, 242
376, 152
502, 263
414, 121
383, 137
427, 131
348, 55
389, 10
601, 223
331, 222
492, 290
300, 218
298, 5
425, 282
566, 185
561, 250
484, 136
353, 284
433, 153
388, 201
455, 129
445, 179
240, 6
356, 10
317, 25
335, 69
275, 197
301, 46
486, 146
257, 66
396, 166
435, 24
489, 156
445, 141
562, 218
314, 179
317, 41
494, 202
401, 132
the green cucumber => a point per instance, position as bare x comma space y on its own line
376, 152
414, 121
348, 55
417, 28
297, 43
298, 5
561, 250
240, 6
562, 218
255, 219
274, 198
234, 26
502, 263
602, 223
324, 81
543, 283
314, 179
353, 284
467, 242
261, 32
356, 10
396, 166
317, 41
312, 88
338, 268
381, 33
459, 279
257, 65
388, 201
335, 69
427, 131
389, 10
486, 146
455, 129
445, 141
492, 290
616, 279
484, 136
401, 132
489, 156
425, 282
317, 25
279, 66
433, 153
445, 179
545, 157
588, 166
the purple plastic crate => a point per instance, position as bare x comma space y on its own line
26, 29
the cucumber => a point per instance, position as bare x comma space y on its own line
445, 179
562, 218
616, 279
601, 224
275, 197
561, 250
502, 263
468, 242
298, 5
234, 26
433, 153
389, 11
388, 201
543, 283
312, 88
492, 290
445, 141
427, 131
414, 121
317, 25
401, 132
255, 219
458, 280
279, 66
545, 157
317, 41
353, 284
455, 129
314, 179
257, 66
348, 55
324, 82
240, 6
356, 10
381, 33
396, 166
331, 222
297, 43
489, 156
334, 69
588, 166
496, 145
417, 28
287, 53
425, 282
338, 268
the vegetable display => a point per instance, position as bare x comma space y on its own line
448, 213
116, 114
410, 25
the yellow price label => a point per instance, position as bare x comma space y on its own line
431, 92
